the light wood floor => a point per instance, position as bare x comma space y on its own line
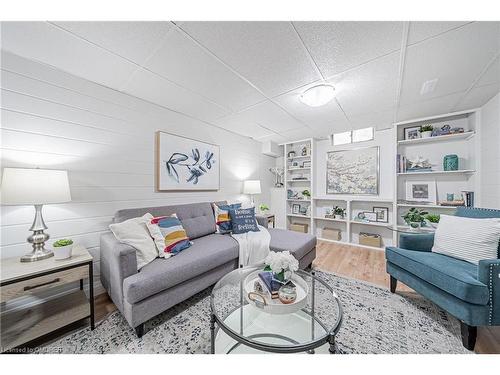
346, 261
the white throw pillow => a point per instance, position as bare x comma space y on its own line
467, 238
135, 233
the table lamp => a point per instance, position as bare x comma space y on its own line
38, 187
251, 187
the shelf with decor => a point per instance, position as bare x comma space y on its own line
298, 162
436, 161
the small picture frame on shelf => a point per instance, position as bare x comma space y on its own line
296, 209
412, 132
421, 191
370, 216
382, 214
306, 164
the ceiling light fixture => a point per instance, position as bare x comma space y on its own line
317, 96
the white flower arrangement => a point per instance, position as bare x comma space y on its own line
282, 262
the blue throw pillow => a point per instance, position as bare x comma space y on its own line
243, 220
222, 218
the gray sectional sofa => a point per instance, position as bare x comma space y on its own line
163, 283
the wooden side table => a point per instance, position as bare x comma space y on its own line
271, 219
19, 326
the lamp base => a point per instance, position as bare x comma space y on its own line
37, 255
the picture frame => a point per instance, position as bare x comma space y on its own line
296, 209
421, 191
382, 214
370, 216
353, 171
306, 164
412, 132
186, 164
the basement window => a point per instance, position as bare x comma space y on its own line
341, 138
358, 135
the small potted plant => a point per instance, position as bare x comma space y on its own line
282, 265
338, 212
62, 248
426, 131
263, 208
432, 220
306, 194
415, 217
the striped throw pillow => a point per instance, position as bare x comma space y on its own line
222, 218
466, 238
169, 235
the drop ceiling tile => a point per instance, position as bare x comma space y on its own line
134, 40
492, 74
478, 97
278, 138
431, 107
182, 61
268, 54
368, 88
149, 86
338, 46
325, 120
270, 116
46, 43
301, 133
239, 124
379, 120
456, 59
421, 30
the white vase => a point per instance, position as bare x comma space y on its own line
426, 134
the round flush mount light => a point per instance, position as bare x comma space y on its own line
317, 96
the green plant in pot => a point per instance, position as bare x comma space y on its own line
415, 217
307, 194
426, 131
62, 248
339, 212
263, 208
432, 219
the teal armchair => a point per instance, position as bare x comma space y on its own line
467, 291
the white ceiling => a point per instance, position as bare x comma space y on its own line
246, 77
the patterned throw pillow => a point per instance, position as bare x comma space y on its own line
244, 220
222, 218
169, 235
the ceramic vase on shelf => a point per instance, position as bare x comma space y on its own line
426, 134
450, 162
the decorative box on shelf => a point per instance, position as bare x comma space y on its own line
370, 239
300, 227
331, 234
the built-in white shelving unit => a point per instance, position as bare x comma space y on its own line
464, 145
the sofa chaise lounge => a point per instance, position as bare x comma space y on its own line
163, 283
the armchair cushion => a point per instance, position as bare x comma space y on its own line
416, 242
454, 276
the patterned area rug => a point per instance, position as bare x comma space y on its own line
375, 321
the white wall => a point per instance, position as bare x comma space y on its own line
105, 139
382, 138
490, 153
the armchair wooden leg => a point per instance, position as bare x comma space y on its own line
139, 330
469, 335
394, 284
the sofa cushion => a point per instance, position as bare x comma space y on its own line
205, 254
452, 275
197, 218
298, 244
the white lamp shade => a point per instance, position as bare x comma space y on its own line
34, 186
251, 187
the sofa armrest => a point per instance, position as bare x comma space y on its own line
416, 242
488, 272
118, 261
262, 220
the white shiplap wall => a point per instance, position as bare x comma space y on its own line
105, 139
490, 153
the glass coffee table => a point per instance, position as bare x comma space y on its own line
239, 327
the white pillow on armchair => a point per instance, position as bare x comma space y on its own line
467, 238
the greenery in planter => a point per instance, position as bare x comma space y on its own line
426, 128
306, 193
433, 218
63, 242
339, 211
414, 215
264, 207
